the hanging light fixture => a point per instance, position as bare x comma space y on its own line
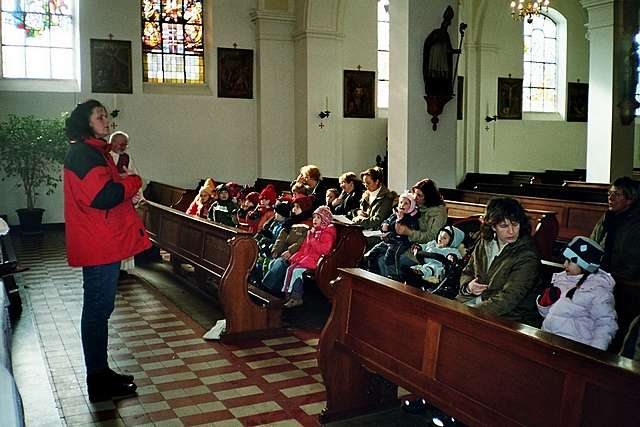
528, 8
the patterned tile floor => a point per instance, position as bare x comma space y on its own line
182, 379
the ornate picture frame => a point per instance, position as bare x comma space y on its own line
111, 66
509, 98
235, 73
577, 102
359, 94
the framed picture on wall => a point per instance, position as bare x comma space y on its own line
459, 99
509, 98
577, 102
235, 73
111, 66
359, 94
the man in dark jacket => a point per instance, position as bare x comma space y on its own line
618, 230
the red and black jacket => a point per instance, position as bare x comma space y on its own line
101, 224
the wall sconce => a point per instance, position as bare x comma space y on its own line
324, 114
490, 119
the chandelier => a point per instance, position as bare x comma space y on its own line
527, 8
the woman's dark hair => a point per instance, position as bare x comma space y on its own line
432, 196
76, 126
375, 173
500, 209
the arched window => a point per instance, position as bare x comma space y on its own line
383, 54
38, 39
172, 41
541, 57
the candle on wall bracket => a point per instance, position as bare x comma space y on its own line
325, 114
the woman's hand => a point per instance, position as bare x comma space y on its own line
476, 288
385, 227
402, 229
362, 214
286, 255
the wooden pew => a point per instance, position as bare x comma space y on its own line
169, 195
227, 255
597, 186
480, 369
574, 218
544, 225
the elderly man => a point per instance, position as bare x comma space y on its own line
119, 141
618, 231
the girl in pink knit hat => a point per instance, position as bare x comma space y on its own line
319, 241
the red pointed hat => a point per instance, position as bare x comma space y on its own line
305, 202
269, 193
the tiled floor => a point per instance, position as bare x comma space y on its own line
182, 379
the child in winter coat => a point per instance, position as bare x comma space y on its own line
436, 253
203, 201
247, 205
266, 238
264, 211
223, 209
319, 241
294, 231
383, 258
580, 304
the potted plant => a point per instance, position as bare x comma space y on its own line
32, 150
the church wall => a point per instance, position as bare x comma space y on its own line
537, 142
362, 139
177, 136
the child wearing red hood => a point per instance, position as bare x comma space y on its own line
264, 211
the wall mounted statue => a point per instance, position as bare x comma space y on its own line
438, 70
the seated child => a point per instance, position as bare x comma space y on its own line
266, 238
203, 201
247, 205
223, 209
319, 241
434, 255
293, 232
264, 211
383, 257
330, 196
580, 304
299, 188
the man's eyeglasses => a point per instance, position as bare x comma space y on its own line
572, 259
614, 194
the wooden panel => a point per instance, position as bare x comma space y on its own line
190, 240
605, 406
486, 373
216, 251
376, 323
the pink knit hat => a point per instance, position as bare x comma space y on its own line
324, 213
412, 202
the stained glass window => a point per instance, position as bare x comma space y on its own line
37, 39
383, 53
173, 41
540, 85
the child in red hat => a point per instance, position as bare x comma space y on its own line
264, 211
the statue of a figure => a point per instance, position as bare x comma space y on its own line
437, 59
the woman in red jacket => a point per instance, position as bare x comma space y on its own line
319, 241
101, 229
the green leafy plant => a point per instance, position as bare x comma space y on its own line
33, 150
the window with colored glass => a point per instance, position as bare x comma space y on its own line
173, 41
540, 84
38, 39
383, 53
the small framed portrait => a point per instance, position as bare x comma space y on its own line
509, 98
359, 94
577, 102
235, 73
111, 66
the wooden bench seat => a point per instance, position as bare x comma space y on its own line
480, 369
226, 255
574, 218
544, 225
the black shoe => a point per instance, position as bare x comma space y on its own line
104, 386
122, 378
415, 406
